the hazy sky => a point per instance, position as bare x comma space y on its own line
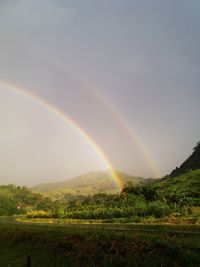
127, 72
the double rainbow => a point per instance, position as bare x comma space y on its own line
122, 123
49, 106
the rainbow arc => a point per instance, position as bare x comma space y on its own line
62, 115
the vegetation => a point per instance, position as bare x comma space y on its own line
187, 184
19, 200
149, 203
145, 203
169, 199
31, 245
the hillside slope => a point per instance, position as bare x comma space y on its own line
192, 163
187, 184
186, 178
90, 183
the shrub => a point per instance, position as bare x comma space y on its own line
7, 206
140, 209
158, 209
149, 192
39, 214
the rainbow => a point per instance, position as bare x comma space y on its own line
131, 134
49, 106
134, 139
123, 124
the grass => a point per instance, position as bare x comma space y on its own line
188, 184
193, 219
76, 245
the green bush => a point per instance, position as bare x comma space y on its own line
148, 192
158, 209
7, 206
140, 209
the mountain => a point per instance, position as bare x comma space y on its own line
192, 163
88, 184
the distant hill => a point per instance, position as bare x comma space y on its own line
192, 163
88, 184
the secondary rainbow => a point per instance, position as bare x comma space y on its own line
134, 139
49, 106
123, 124
130, 133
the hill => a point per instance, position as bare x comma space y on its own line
192, 163
186, 178
88, 184
187, 184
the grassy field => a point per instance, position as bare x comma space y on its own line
98, 245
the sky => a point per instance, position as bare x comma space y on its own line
126, 73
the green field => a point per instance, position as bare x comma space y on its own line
98, 245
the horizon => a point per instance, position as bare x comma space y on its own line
83, 174
97, 85
28, 185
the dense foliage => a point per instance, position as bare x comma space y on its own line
19, 200
134, 203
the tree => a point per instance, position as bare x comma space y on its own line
197, 146
45, 204
7, 206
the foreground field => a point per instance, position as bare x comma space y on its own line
98, 245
